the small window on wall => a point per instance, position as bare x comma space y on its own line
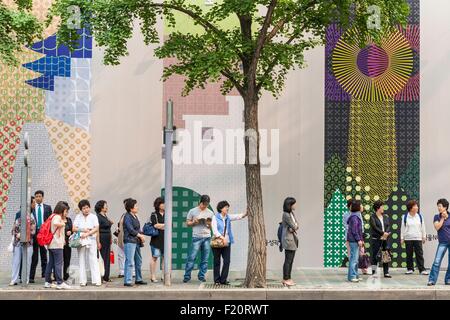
207, 133
209, 2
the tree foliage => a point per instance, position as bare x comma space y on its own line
268, 40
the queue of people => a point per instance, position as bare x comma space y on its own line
91, 234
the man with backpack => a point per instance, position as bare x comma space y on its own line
413, 235
40, 214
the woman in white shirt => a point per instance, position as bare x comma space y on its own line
413, 235
87, 224
221, 227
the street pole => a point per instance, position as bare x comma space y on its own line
25, 209
168, 184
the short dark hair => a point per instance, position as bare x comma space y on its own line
377, 205
411, 204
221, 205
444, 203
158, 201
205, 199
39, 192
129, 204
60, 208
66, 204
288, 203
31, 200
125, 201
83, 203
99, 206
349, 203
356, 206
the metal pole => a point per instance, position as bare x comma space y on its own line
25, 210
168, 184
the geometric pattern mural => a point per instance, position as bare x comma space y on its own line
184, 199
72, 147
9, 143
372, 100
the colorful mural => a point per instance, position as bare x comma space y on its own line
372, 98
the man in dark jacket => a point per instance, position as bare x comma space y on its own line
40, 214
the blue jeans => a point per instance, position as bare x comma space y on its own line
353, 261
440, 253
202, 244
133, 257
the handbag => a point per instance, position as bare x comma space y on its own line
75, 240
384, 256
149, 229
101, 265
11, 245
218, 242
364, 261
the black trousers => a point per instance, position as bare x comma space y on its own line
414, 246
67, 254
38, 250
221, 277
288, 262
105, 241
376, 245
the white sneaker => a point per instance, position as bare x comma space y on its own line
54, 285
409, 272
424, 273
12, 283
98, 284
47, 285
63, 286
354, 280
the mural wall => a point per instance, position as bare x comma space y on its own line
372, 127
48, 96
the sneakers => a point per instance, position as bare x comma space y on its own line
47, 285
355, 280
186, 280
430, 284
424, 273
12, 283
387, 275
202, 279
141, 282
63, 286
409, 272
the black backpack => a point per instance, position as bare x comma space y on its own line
280, 234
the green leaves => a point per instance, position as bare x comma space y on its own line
18, 28
244, 55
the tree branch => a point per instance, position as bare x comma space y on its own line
262, 36
202, 21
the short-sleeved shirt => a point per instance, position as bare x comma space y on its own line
444, 231
59, 238
200, 230
88, 222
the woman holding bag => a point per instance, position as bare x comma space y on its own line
221, 227
380, 232
289, 239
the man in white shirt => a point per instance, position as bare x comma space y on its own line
413, 235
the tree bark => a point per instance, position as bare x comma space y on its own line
256, 259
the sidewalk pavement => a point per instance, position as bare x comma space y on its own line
316, 284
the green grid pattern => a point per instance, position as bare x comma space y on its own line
184, 199
334, 244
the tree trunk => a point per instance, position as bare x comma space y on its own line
256, 260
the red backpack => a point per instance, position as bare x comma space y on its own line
45, 235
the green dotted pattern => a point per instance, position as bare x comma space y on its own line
184, 199
409, 181
395, 208
334, 232
334, 177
